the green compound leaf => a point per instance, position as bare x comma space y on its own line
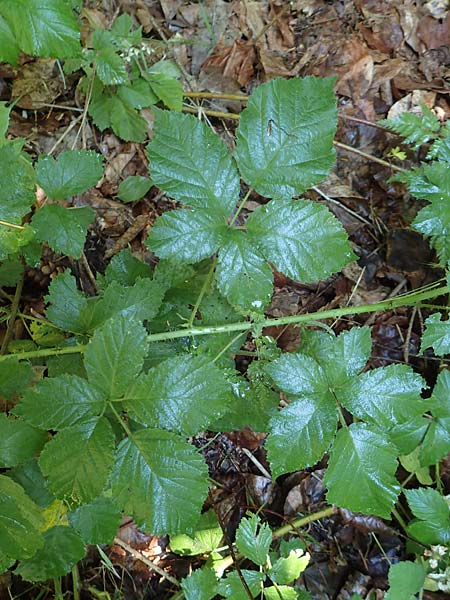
436, 335
134, 188
72, 173
231, 587
433, 516
182, 394
385, 396
97, 522
60, 402
206, 537
115, 355
285, 136
292, 234
43, 27
20, 523
9, 50
18, 441
64, 229
436, 442
17, 175
109, 66
78, 460
280, 592
242, 275
192, 164
406, 579
298, 375
63, 548
361, 471
301, 433
160, 480
14, 377
187, 235
201, 585
137, 94
253, 539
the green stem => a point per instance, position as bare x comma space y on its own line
216, 96
76, 584
241, 206
58, 588
400, 519
389, 304
203, 291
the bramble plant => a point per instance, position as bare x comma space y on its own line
147, 363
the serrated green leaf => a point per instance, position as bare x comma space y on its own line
72, 173
361, 471
17, 175
341, 356
97, 522
101, 104
286, 570
63, 548
436, 335
20, 522
200, 585
160, 480
182, 394
416, 129
411, 462
78, 460
433, 221
126, 122
385, 396
64, 229
18, 441
405, 579
168, 89
115, 354
298, 375
9, 50
428, 505
109, 66
43, 27
231, 586
29, 476
190, 235
134, 188
206, 537
137, 94
140, 301
14, 377
192, 164
4, 116
121, 30
292, 234
253, 539
242, 275
301, 433
280, 592
407, 435
10, 272
68, 305
285, 136
126, 269
60, 402
436, 442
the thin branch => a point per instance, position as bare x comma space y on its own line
13, 314
135, 554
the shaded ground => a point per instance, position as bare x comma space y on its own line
387, 57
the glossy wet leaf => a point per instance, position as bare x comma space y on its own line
96, 522
18, 441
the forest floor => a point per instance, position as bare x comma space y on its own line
387, 57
